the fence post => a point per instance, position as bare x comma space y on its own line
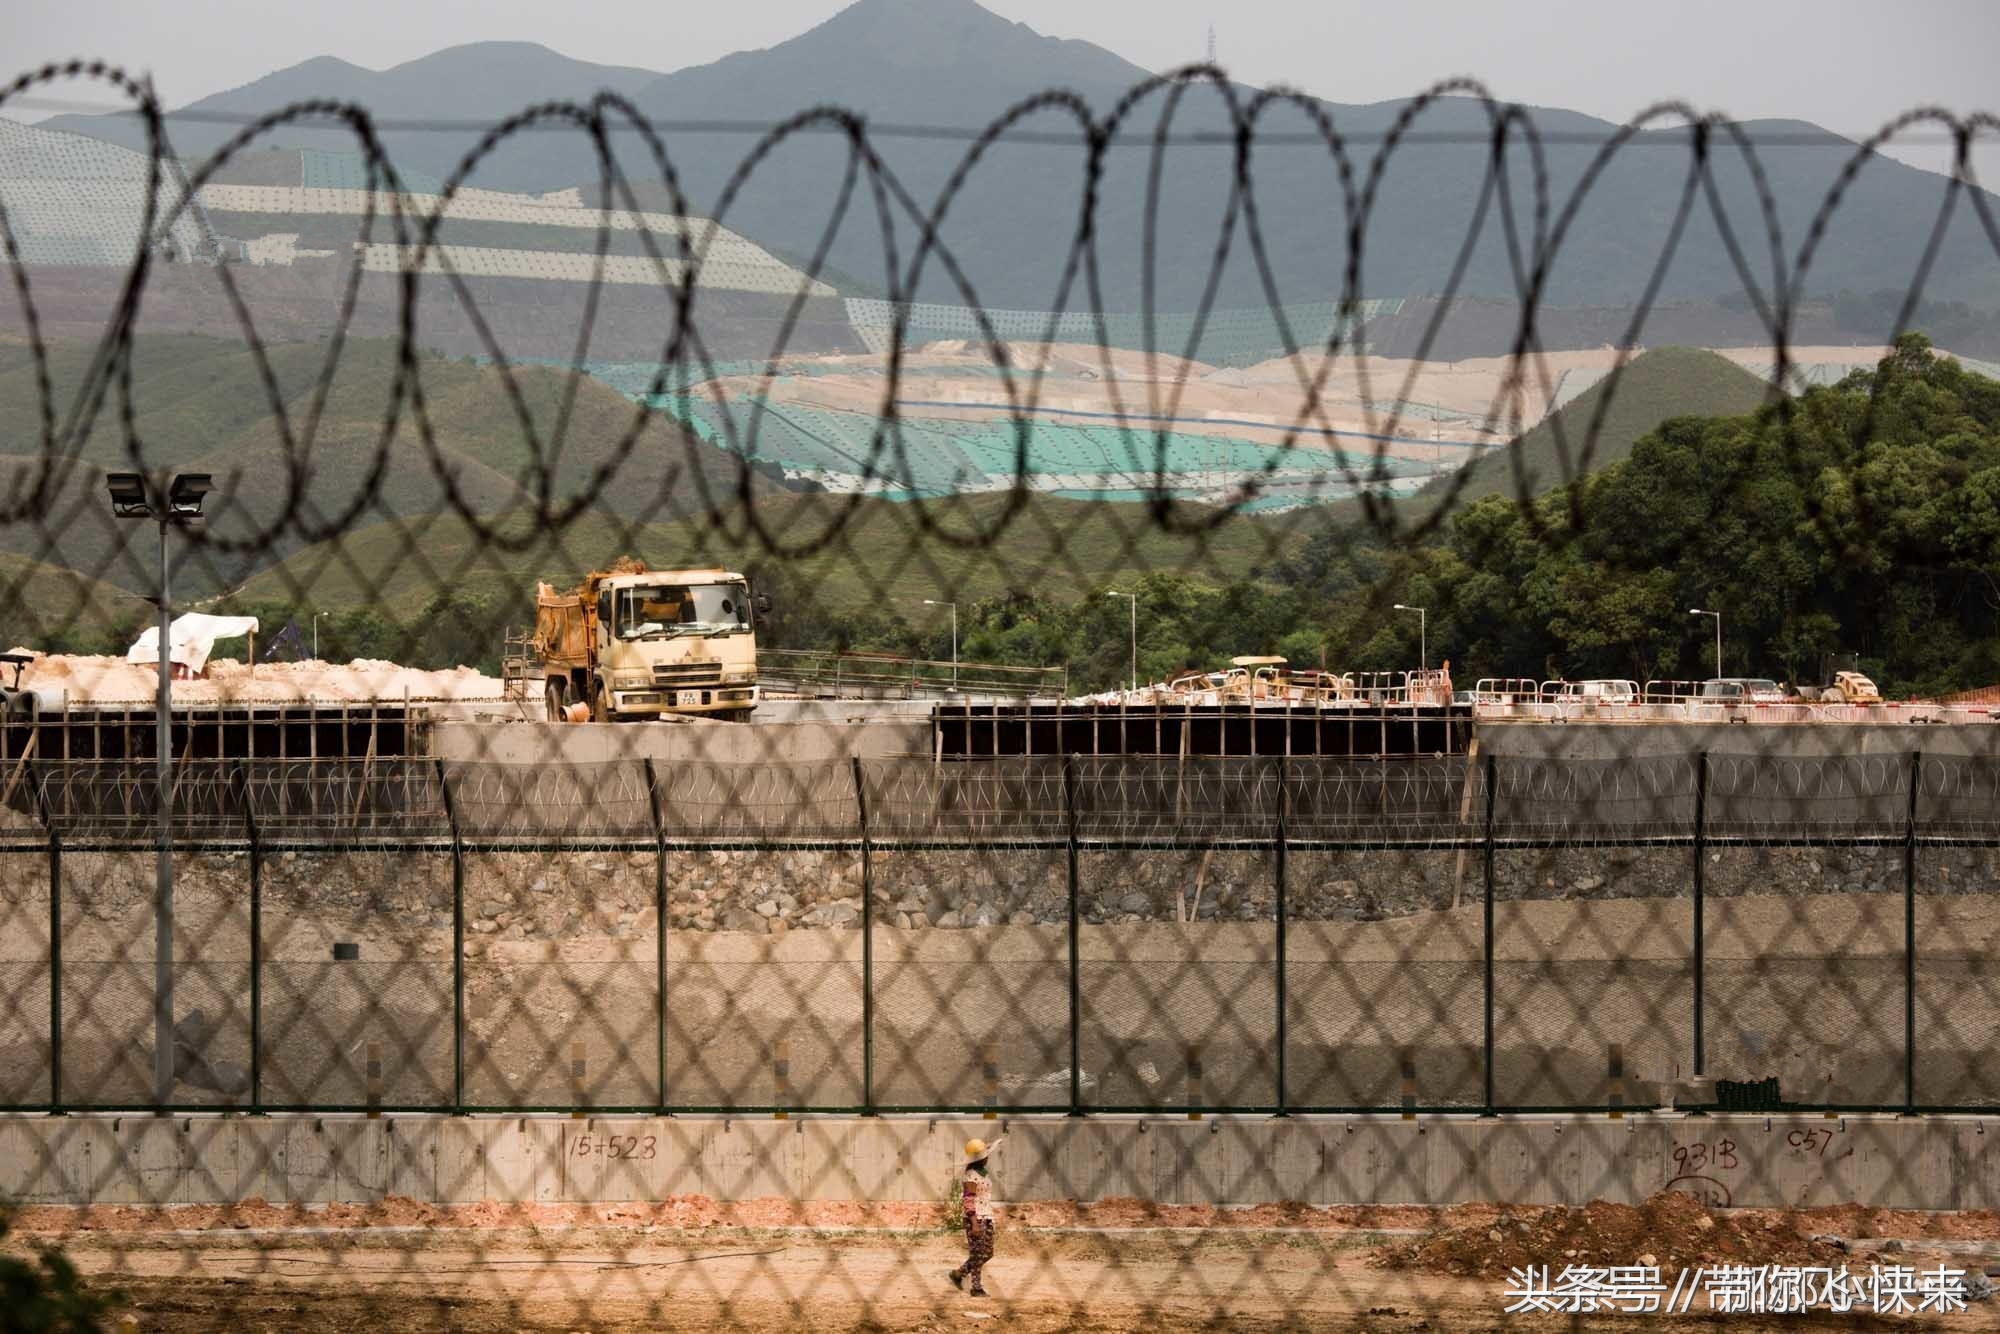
1075, 965
1910, 938
660, 919
1700, 913
1486, 935
867, 944
457, 946
256, 944
1278, 859
55, 939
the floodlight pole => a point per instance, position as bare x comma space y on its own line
163, 887
1133, 598
179, 500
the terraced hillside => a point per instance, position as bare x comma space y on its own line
487, 443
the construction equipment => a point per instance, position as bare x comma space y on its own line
633, 643
1847, 688
14, 701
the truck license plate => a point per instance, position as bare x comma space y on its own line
687, 699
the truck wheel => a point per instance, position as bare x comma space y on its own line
554, 694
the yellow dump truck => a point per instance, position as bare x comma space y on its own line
636, 643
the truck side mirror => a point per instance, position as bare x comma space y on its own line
762, 604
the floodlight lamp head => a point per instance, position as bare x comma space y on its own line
128, 495
1696, 611
185, 495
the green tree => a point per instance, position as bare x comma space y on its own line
46, 1295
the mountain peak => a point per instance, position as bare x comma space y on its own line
331, 64
919, 14
504, 65
900, 59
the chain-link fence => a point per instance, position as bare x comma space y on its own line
1060, 935
544, 950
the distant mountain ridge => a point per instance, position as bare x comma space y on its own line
476, 80
951, 63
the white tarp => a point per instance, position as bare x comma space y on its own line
192, 638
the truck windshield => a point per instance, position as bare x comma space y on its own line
661, 611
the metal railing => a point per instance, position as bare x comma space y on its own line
1498, 701
1285, 826
885, 676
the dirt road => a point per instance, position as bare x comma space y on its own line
770, 1279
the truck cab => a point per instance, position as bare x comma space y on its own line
653, 642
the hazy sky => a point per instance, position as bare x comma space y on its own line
1845, 64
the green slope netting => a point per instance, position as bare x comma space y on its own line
930, 456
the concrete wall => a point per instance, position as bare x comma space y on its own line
844, 711
1914, 1163
813, 731
807, 731
804, 742
1599, 741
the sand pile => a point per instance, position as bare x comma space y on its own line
1671, 1231
107, 680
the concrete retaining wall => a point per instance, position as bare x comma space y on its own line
1604, 741
819, 731
804, 742
1913, 1163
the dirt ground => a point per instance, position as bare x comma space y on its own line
1115, 1266
768, 1281
1676, 1231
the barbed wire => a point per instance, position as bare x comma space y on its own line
1532, 242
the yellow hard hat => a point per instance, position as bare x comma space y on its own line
975, 1149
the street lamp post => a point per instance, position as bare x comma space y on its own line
933, 602
1133, 598
1423, 636
1697, 611
181, 504
316, 616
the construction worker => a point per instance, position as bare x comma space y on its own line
976, 1202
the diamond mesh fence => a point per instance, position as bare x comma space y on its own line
373, 1027
636, 911
496, 937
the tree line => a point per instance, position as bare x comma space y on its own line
1858, 524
